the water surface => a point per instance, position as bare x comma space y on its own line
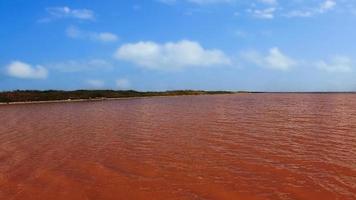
244, 146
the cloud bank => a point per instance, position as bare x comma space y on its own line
171, 55
18, 69
336, 64
80, 65
274, 59
67, 12
76, 33
324, 7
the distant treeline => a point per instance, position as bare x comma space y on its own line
55, 95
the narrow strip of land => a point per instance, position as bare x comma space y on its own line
34, 96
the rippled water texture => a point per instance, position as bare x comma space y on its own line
244, 146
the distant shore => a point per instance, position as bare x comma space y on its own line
64, 101
96, 99
55, 96
58, 96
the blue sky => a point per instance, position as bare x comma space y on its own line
256, 45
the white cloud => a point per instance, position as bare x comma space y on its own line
270, 9
324, 7
95, 83
336, 64
275, 59
105, 37
73, 32
123, 83
76, 33
66, 12
23, 70
267, 13
80, 65
300, 13
171, 55
327, 5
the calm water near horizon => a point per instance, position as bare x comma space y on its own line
243, 146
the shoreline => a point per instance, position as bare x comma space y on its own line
58, 96
152, 96
104, 99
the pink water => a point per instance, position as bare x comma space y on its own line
244, 146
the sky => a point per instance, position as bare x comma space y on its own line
249, 45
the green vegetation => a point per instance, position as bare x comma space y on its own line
56, 95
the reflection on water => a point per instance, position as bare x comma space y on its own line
245, 146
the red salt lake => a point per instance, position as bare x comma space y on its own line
244, 146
